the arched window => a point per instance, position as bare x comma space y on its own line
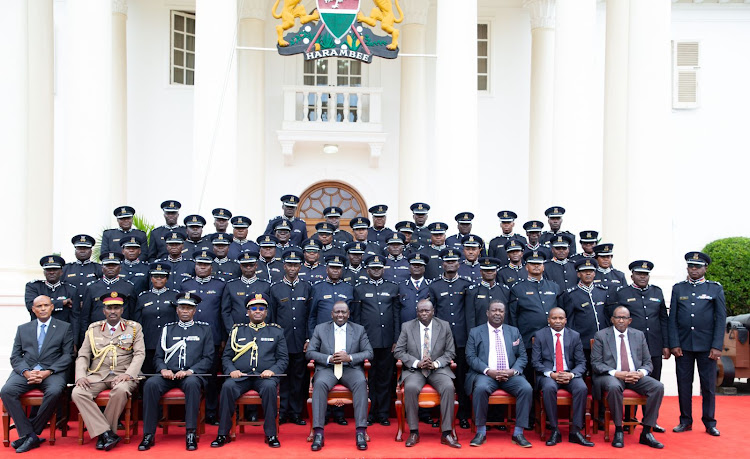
330, 193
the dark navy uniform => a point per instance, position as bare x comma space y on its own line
324, 294
580, 256
312, 274
548, 236
157, 248
111, 240
378, 236
510, 274
182, 269
137, 273
299, 228
80, 273
496, 247
469, 271
153, 310
238, 246
58, 293
479, 298
434, 268
410, 293
270, 271
396, 269
354, 276
563, 273
200, 245
529, 304
611, 277
91, 308
586, 309
421, 236
237, 293
226, 268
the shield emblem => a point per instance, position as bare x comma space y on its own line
338, 15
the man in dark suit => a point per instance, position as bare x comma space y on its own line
426, 348
558, 359
620, 360
42, 352
339, 349
496, 357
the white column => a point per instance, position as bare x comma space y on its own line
119, 107
455, 110
413, 154
251, 145
541, 113
215, 108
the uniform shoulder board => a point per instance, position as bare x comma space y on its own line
318, 282
187, 279
266, 281
173, 290
276, 217
620, 288
714, 282
202, 323
91, 282
517, 282
70, 285
277, 282
571, 288
605, 287
221, 279
129, 282
143, 292
274, 325
96, 324
35, 281
238, 325
170, 323
132, 323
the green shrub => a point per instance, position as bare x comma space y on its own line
730, 265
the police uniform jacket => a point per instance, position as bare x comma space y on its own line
137, 274
157, 248
268, 351
324, 294
469, 271
354, 276
548, 236
648, 311
421, 235
376, 307
154, 309
312, 274
111, 240
563, 273
209, 309
612, 278
496, 247
697, 316
237, 293
226, 268
185, 346
80, 273
412, 247
237, 247
333, 247
455, 241
380, 236
121, 352
577, 256
587, 311
182, 269
410, 295
289, 306
58, 293
204, 243
270, 271
478, 300
434, 268
299, 228
91, 308
280, 249
342, 237
509, 275
396, 269
529, 304
449, 298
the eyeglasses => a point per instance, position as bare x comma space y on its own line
620, 318
257, 308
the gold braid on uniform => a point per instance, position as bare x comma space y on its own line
110, 348
252, 346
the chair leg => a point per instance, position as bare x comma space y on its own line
310, 414
128, 409
455, 414
278, 407
80, 429
542, 421
6, 428
594, 420
400, 419
52, 428
164, 417
233, 431
607, 416
202, 417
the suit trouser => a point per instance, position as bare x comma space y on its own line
464, 402
685, 369
323, 382
97, 422
234, 388
156, 386
52, 386
647, 386
293, 387
517, 386
381, 372
576, 387
442, 383
656, 374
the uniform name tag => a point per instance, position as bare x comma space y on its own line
630, 300
481, 296
585, 304
655, 299
385, 294
327, 297
284, 300
148, 304
211, 292
369, 295
140, 274
193, 338
176, 338
266, 339
511, 279
529, 293
71, 275
549, 293
599, 303
705, 297
683, 298
443, 293
615, 281
90, 275
342, 296
240, 293
301, 298
241, 339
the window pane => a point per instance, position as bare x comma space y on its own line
309, 67
179, 22
177, 75
321, 66
355, 81
482, 65
482, 31
322, 80
190, 25
189, 77
342, 67
341, 81
179, 41
482, 82
356, 68
190, 61
309, 80
178, 58
481, 48
190, 43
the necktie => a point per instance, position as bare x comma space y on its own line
502, 363
559, 366
426, 349
624, 365
40, 339
111, 330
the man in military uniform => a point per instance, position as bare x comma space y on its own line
696, 336
376, 307
496, 248
421, 235
463, 221
396, 264
560, 269
554, 218
515, 270
157, 248
270, 268
182, 267
154, 309
110, 358
256, 352
221, 219
111, 238
378, 231
237, 291
132, 268
312, 270
533, 230
240, 242
223, 266
485, 291
185, 350
299, 227
288, 306
333, 216
589, 239
195, 242
324, 233
448, 293
109, 282
84, 269
355, 271
605, 273
432, 252
360, 227
469, 266
413, 289
283, 232
406, 229
65, 299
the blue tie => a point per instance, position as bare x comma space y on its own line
40, 339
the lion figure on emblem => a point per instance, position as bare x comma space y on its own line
383, 12
289, 12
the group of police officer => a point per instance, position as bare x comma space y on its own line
178, 277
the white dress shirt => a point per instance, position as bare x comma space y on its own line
631, 365
339, 340
421, 342
492, 355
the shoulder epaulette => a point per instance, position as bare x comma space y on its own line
98, 323
620, 287
132, 323
187, 279
202, 323
170, 323
713, 282
91, 282
36, 280
273, 325
571, 288
129, 282
144, 292
605, 287
238, 325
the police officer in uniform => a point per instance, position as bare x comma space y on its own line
255, 353
324, 233
496, 248
432, 251
533, 230
299, 227
411, 245
360, 227
237, 291
421, 235
333, 216
469, 267
488, 289
463, 221
84, 269
195, 242
223, 266
132, 268
182, 267
64, 296
515, 270
589, 239
221, 219
240, 242
154, 309
328, 291
270, 268
355, 271
289, 305
312, 270
378, 231
157, 248
554, 218
396, 264
560, 269
111, 238
605, 273
283, 232
696, 336
413, 289
185, 350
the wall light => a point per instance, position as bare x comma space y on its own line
330, 149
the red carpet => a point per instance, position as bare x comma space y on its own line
732, 414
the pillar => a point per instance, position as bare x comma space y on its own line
119, 107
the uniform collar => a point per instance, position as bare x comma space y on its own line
560, 262
531, 279
438, 247
249, 281
53, 286
467, 263
203, 280
131, 263
635, 287
355, 270
588, 289
221, 261
175, 260
328, 279
158, 291
186, 325
312, 266
517, 268
442, 276
391, 257
604, 271
256, 327
107, 326
110, 281
82, 263
327, 247
486, 284
291, 284
240, 241
375, 282
697, 282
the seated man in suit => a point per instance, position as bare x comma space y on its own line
620, 360
42, 352
425, 347
496, 357
339, 349
557, 356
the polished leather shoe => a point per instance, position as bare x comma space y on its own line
619, 440
713, 431
283, 420
147, 442
191, 441
273, 441
298, 421
463, 423
361, 441
658, 429
683, 428
649, 440
450, 441
478, 439
318, 442
100, 442
211, 420
554, 438
412, 440
370, 421
15, 444
111, 440
384, 422
220, 441
578, 437
31, 442
341, 421
521, 441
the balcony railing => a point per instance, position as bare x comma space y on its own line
332, 106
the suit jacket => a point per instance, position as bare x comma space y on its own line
604, 354
57, 348
129, 346
322, 345
543, 352
478, 351
409, 346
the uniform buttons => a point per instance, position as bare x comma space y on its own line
451, 313
547, 312
293, 309
294, 328
294, 318
647, 329
692, 304
693, 294
692, 315
646, 317
692, 328
381, 313
383, 326
453, 323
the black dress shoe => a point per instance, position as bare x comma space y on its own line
147, 442
683, 428
521, 441
478, 439
578, 437
283, 420
297, 420
220, 441
111, 440
341, 421
211, 420
450, 440
649, 440
318, 442
361, 441
18, 442
273, 441
191, 441
658, 429
384, 422
412, 440
463, 423
713, 431
619, 440
100, 442
370, 421
554, 438
30, 442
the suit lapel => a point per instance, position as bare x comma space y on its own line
636, 358
416, 336
331, 338
508, 347
568, 350
349, 338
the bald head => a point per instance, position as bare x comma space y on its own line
42, 307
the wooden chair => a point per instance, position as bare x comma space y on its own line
251, 397
564, 398
629, 398
177, 397
31, 398
130, 414
339, 395
428, 398
499, 397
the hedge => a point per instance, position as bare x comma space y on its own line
730, 266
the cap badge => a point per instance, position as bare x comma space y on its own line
187, 295
113, 294
645, 265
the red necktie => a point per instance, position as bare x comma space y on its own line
623, 354
558, 354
